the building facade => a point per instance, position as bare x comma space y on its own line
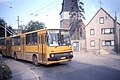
102, 33
76, 31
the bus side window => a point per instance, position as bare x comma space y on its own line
34, 38
28, 39
16, 41
2, 42
13, 42
31, 39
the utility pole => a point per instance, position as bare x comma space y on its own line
118, 40
116, 34
5, 30
18, 21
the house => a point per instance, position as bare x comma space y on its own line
77, 32
102, 33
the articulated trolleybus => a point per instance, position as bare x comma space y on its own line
45, 46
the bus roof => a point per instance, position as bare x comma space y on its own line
45, 29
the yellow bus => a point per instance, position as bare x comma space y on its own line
45, 46
3, 46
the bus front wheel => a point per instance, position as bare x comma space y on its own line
35, 61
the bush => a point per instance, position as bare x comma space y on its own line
6, 72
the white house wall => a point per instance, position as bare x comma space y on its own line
98, 37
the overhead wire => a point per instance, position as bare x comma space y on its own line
47, 9
49, 6
43, 7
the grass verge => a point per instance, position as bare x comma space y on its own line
6, 72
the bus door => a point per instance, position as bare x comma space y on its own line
42, 48
22, 47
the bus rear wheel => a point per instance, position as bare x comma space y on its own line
15, 56
35, 61
1, 52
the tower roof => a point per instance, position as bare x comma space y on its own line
68, 4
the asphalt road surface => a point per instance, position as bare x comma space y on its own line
82, 67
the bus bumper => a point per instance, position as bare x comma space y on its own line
60, 58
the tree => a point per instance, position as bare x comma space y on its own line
81, 9
33, 25
2, 24
77, 10
2, 28
76, 16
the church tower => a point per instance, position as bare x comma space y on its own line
70, 18
64, 14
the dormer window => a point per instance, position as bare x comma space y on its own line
101, 20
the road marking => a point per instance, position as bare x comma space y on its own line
33, 73
37, 77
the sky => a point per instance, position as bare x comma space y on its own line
47, 11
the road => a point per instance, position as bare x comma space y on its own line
82, 67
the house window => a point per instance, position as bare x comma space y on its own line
107, 31
92, 31
92, 43
101, 20
108, 43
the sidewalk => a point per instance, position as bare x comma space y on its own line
87, 57
88, 54
20, 71
111, 56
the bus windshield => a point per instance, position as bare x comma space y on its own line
58, 38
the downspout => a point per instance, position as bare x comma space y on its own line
115, 34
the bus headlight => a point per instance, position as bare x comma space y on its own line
71, 53
52, 55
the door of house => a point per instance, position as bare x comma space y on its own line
75, 46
